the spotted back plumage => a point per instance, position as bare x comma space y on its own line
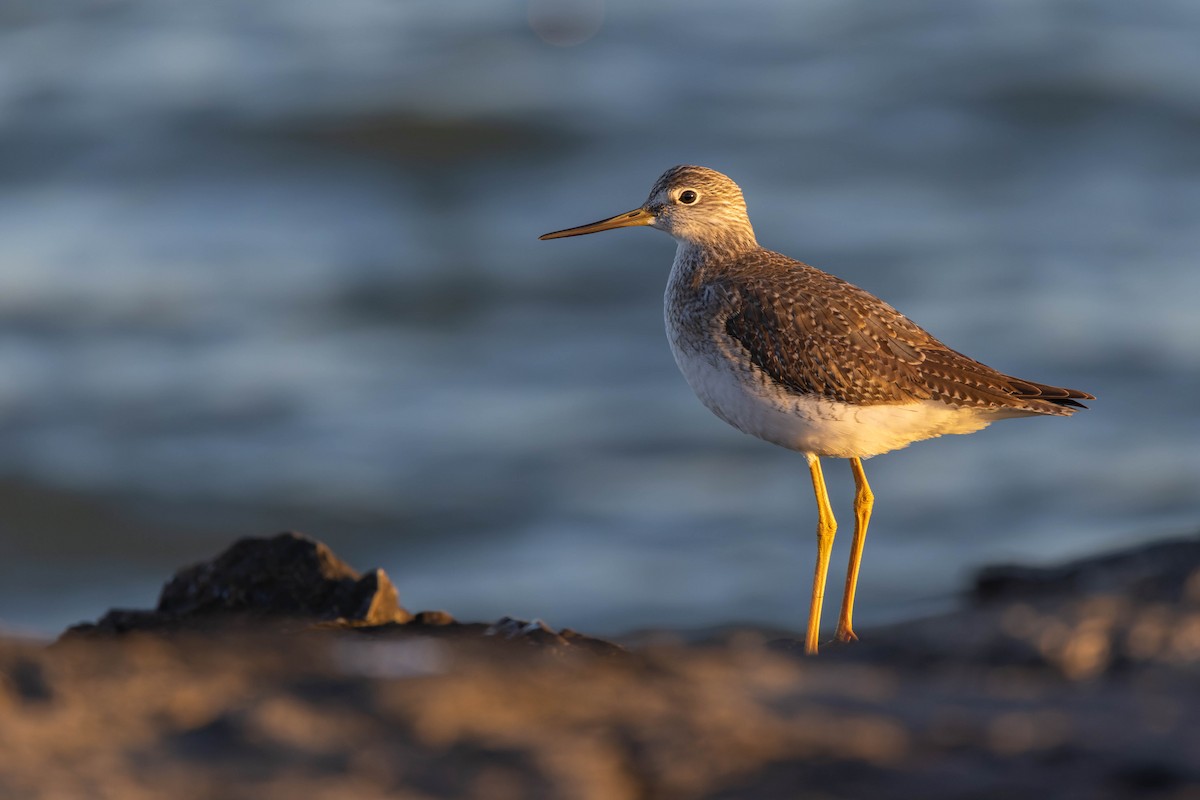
815, 334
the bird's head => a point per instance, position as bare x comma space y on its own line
696, 205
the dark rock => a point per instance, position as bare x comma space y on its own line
504, 633
123, 620
1119, 612
292, 578
539, 633
599, 647
1160, 572
284, 576
511, 628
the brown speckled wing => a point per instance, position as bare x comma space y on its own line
815, 334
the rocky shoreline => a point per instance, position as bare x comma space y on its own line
276, 670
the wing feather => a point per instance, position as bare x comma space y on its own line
816, 334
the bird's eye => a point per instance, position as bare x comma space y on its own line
687, 197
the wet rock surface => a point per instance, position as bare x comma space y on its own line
1081, 681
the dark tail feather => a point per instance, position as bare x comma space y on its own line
1051, 394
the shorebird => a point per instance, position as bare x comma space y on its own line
802, 359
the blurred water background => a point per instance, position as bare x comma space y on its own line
273, 265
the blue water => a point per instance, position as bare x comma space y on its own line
275, 265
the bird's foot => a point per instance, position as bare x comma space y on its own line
845, 634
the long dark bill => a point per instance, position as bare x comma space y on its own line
639, 216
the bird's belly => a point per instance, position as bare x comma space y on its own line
743, 396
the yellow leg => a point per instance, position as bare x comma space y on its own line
826, 528
864, 500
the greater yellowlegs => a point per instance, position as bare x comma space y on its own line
807, 361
